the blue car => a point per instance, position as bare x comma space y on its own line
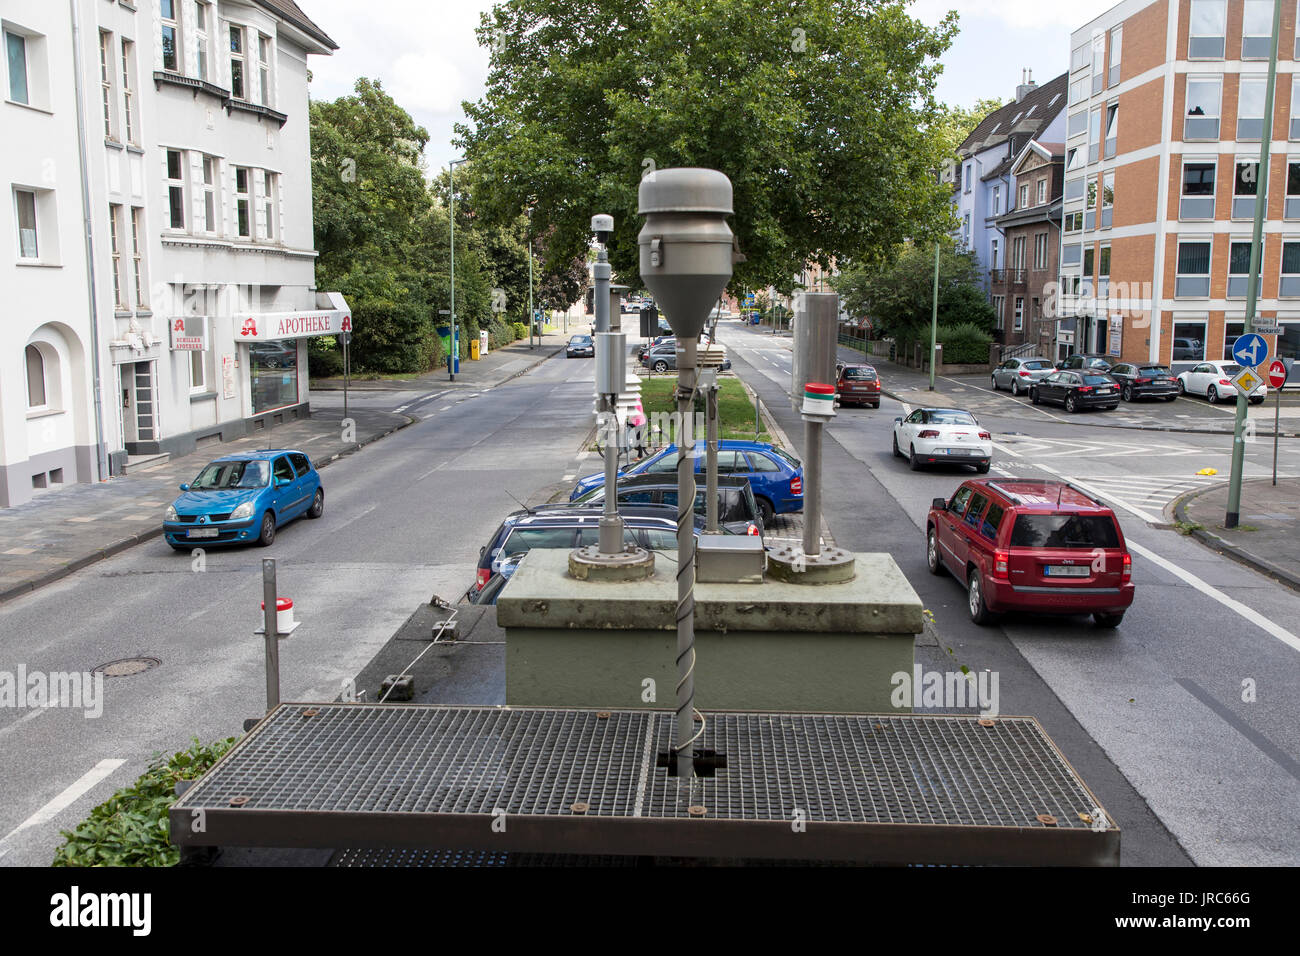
775, 477
244, 498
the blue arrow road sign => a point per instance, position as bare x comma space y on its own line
1250, 350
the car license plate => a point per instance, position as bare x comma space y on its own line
1066, 571
202, 532
960, 451
1104, 389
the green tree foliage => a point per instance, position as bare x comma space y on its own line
817, 112
898, 295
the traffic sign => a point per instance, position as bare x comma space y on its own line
1264, 329
1250, 350
1247, 381
1277, 374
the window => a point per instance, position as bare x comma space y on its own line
1073, 159
993, 255
1079, 57
128, 93
1024, 195
273, 368
1103, 270
1209, 25
264, 67
1295, 106
28, 247
977, 504
1074, 189
1107, 199
1197, 201
1071, 254
176, 188
115, 246
1239, 271
1202, 120
1089, 261
1289, 284
1073, 221
1090, 216
1098, 62
1116, 48
1020, 313
237, 63
966, 178
243, 204
16, 53
1078, 90
1094, 136
965, 230
999, 307
1250, 108
36, 397
106, 81
1040, 251
1189, 342
171, 45
992, 520
1292, 207
209, 194
137, 257
1231, 332
268, 205
1078, 123
1112, 129
1042, 192
1018, 253
202, 17
1257, 30
1193, 279
1245, 185
199, 369
997, 200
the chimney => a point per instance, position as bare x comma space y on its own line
1027, 84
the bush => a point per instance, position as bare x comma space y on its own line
519, 330
964, 344
324, 362
131, 828
392, 337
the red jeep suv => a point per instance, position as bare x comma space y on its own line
1023, 544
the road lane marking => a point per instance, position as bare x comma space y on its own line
1262, 743
64, 800
1097, 492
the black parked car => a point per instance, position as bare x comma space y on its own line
581, 346
1076, 390
1145, 381
1085, 360
738, 510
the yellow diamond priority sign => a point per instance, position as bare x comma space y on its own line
1247, 382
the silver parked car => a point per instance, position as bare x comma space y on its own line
1018, 374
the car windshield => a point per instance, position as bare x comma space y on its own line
580, 340
232, 474
947, 417
1064, 531
1091, 379
1035, 366
525, 539
860, 374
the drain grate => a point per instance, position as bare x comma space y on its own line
127, 666
929, 788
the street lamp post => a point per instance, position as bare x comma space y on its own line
532, 318
451, 337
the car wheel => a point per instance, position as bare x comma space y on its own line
661, 366
766, 511
1182, 387
1071, 405
1127, 394
979, 611
912, 460
1108, 620
317, 504
1212, 395
1033, 396
179, 547
932, 552
994, 380
897, 453
268, 530
982, 468
1171, 398
1257, 401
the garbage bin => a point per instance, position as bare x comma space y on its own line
473, 349
482, 343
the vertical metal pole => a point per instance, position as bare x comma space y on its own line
687, 359
346, 371
756, 404
812, 488
1277, 412
451, 338
934, 315
711, 461
1233, 515
532, 318
271, 637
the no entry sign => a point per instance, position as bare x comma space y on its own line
1276, 374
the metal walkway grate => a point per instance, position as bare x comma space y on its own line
930, 788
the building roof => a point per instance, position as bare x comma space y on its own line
1020, 120
291, 12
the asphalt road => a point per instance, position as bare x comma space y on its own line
1152, 714
404, 519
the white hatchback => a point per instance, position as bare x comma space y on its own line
1214, 381
932, 436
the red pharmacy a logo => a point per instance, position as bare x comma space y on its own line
250, 326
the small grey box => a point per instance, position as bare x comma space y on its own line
401, 685
730, 559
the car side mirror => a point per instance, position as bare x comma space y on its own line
898, 420
939, 504
185, 487
280, 482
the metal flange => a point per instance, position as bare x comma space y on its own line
630, 564
831, 566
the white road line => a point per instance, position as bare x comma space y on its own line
1250, 614
569, 477
54, 702
65, 799
1097, 492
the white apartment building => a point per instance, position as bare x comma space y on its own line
193, 167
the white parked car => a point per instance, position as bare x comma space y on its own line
929, 436
1214, 381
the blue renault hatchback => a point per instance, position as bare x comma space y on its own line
244, 498
775, 477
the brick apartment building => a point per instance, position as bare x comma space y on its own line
1031, 236
1164, 121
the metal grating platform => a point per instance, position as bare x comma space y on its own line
867, 788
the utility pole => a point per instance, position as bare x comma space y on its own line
532, 318
451, 337
934, 314
1233, 516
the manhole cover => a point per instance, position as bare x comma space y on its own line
127, 666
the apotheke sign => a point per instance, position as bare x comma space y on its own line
266, 326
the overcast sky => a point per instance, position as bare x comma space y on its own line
425, 52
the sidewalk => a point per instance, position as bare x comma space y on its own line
498, 366
1265, 539
60, 532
